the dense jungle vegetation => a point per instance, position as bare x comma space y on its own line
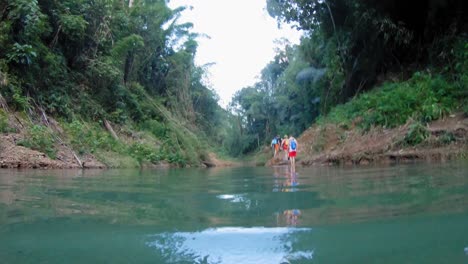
99, 62
387, 60
96, 66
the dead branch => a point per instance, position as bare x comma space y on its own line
3, 104
109, 128
44, 118
55, 39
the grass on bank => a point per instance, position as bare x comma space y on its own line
149, 142
424, 97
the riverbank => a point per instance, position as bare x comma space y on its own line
441, 140
13, 155
40, 142
330, 144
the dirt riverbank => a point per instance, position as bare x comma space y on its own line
13, 155
446, 139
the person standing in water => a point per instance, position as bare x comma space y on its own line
275, 143
285, 147
292, 151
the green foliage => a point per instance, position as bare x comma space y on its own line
182, 147
176, 158
425, 97
177, 146
308, 82
103, 73
142, 152
347, 48
96, 60
447, 138
127, 44
74, 26
79, 137
22, 102
22, 54
88, 139
373, 37
4, 126
5, 28
158, 129
57, 101
88, 107
301, 93
458, 70
40, 138
103, 60
15, 98
27, 15
416, 134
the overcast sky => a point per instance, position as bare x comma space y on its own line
241, 40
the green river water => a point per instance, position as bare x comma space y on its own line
415, 213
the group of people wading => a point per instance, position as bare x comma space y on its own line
288, 145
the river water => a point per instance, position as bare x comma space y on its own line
414, 213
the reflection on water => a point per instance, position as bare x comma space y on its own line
232, 245
234, 198
292, 216
286, 180
395, 214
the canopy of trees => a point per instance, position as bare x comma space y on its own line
96, 60
132, 62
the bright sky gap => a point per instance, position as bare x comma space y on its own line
241, 40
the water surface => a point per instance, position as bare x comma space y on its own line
395, 214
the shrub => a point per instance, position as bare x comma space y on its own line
41, 139
88, 139
416, 134
447, 138
142, 152
158, 129
4, 126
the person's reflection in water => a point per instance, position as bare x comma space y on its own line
276, 182
290, 184
292, 216
294, 182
